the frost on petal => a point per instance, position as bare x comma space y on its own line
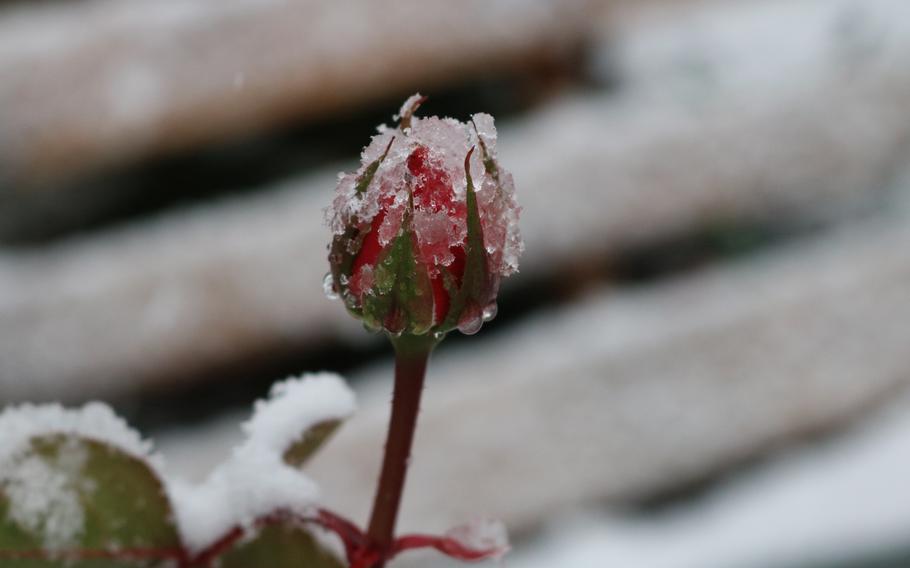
448, 141
436, 233
391, 223
237, 493
486, 129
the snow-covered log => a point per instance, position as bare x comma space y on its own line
764, 131
101, 82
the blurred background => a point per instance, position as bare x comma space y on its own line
704, 361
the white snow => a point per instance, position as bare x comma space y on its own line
43, 498
843, 499
255, 480
296, 405
95, 421
43, 492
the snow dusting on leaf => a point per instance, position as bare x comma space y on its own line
296, 405
256, 481
42, 490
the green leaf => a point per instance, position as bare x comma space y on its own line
281, 545
310, 441
121, 502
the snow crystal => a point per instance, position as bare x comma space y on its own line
43, 496
439, 218
236, 493
485, 128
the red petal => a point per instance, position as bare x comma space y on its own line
368, 255
441, 299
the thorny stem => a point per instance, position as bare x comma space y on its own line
411, 355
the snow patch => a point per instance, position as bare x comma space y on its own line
43, 496
255, 481
296, 405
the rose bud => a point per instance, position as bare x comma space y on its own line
426, 227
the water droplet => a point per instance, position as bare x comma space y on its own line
439, 335
490, 311
328, 286
471, 319
471, 326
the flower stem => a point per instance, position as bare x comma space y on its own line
411, 355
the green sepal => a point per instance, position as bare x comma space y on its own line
366, 178
309, 442
280, 545
401, 300
341, 257
489, 164
475, 283
123, 503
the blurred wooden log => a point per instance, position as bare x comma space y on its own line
90, 84
597, 175
630, 392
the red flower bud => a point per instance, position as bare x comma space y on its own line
426, 228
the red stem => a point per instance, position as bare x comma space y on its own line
411, 355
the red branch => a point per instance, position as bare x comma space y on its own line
360, 550
444, 544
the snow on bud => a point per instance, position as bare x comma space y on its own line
426, 228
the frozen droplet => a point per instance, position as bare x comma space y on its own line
490, 311
328, 286
471, 319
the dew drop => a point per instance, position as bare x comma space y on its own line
471, 319
490, 311
328, 286
439, 335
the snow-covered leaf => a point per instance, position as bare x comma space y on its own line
62, 495
261, 476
